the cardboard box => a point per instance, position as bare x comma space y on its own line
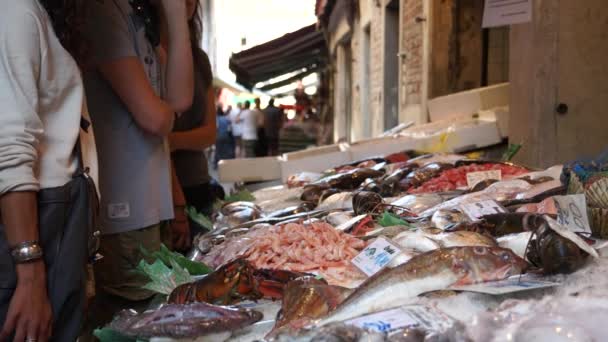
468, 102
249, 170
317, 159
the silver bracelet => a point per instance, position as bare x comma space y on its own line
25, 252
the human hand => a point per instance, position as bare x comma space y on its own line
29, 314
180, 231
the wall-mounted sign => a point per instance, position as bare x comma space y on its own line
506, 12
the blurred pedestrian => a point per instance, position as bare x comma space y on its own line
237, 129
261, 148
224, 145
273, 122
249, 121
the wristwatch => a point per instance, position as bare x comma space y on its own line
25, 252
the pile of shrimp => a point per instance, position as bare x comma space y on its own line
316, 248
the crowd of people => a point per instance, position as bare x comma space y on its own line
245, 132
113, 93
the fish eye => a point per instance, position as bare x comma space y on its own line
505, 257
479, 250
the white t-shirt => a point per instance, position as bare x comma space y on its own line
41, 102
249, 120
237, 129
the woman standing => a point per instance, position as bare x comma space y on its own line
45, 205
195, 130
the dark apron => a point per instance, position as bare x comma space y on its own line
66, 221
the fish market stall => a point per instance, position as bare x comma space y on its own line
401, 247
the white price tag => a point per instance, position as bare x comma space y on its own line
572, 213
428, 318
376, 256
568, 234
506, 12
477, 210
475, 177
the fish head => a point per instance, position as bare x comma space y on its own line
482, 264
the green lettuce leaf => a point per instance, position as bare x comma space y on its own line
241, 196
389, 220
167, 257
199, 218
164, 279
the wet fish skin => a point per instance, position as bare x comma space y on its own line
336, 332
183, 321
431, 271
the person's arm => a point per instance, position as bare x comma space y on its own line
113, 54
179, 71
180, 228
129, 81
200, 138
21, 52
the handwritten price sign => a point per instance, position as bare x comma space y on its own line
376, 256
477, 210
572, 213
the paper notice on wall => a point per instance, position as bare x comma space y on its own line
506, 12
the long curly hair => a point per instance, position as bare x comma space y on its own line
67, 17
196, 35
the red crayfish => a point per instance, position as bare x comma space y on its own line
232, 283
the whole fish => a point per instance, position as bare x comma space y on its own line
183, 321
432, 271
463, 239
306, 299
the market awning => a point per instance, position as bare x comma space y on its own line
301, 52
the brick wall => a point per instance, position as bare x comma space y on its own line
411, 45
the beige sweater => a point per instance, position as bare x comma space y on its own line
41, 102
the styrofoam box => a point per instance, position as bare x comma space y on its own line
469, 102
479, 134
380, 147
501, 114
249, 170
316, 159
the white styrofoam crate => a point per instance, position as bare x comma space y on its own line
249, 170
315, 162
468, 102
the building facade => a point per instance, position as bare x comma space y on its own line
389, 57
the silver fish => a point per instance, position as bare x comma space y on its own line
427, 272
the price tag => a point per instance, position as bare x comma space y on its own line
475, 177
477, 210
572, 213
427, 318
376, 256
568, 234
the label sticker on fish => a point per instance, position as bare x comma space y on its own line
376, 256
427, 318
510, 285
572, 213
477, 210
568, 234
475, 177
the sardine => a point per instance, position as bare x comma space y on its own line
427, 272
183, 321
